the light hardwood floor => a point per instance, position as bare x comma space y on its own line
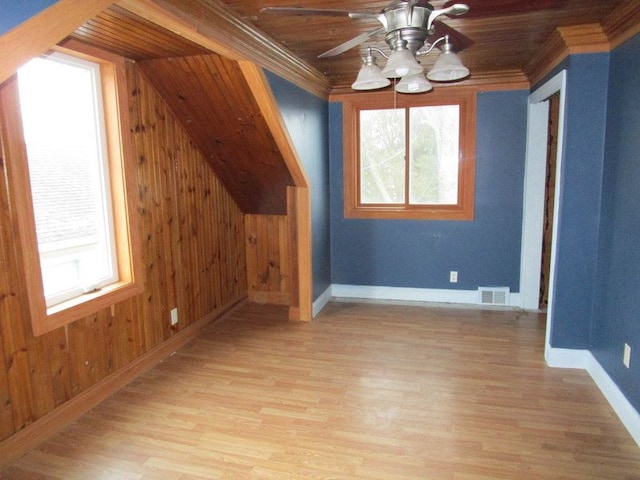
363, 392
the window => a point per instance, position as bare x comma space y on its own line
62, 119
67, 166
410, 158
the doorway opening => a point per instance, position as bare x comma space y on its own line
549, 200
545, 139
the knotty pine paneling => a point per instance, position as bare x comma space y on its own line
268, 263
212, 98
194, 259
123, 33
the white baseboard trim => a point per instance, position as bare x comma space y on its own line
566, 358
322, 300
431, 295
584, 359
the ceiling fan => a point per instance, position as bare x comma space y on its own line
407, 25
415, 21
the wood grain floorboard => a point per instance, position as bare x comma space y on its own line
363, 392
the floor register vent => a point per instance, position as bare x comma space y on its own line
493, 295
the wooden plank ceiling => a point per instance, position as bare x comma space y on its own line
212, 100
505, 34
211, 97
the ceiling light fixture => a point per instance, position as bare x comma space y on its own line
448, 67
414, 84
370, 75
402, 63
407, 25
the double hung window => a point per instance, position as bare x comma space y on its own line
413, 159
64, 133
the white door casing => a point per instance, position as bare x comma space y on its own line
534, 195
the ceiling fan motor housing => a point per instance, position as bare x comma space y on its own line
409, 23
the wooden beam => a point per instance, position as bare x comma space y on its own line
43, 30
271, 112
299, 216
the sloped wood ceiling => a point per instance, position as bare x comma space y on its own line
211, 98
130, 36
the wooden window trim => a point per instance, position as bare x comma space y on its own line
464, 209
121, 174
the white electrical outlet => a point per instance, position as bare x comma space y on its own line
453, 276
626, 356
174, 317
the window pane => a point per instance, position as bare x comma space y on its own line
434, 145
382, 156
64, 134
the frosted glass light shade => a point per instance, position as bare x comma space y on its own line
414, 84
400, 64
448, 67
369, 76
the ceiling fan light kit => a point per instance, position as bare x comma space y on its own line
401, 62
448, 67
370, 75
414, 84
408, 24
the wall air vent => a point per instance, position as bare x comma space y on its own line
493, 296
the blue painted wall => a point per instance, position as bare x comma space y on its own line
14, 12
579, 209
420, 254
306, 118
617, 309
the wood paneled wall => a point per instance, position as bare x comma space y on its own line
268, 259
194, 258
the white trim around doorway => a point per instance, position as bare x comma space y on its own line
534, 195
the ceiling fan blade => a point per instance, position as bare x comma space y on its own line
494, 8
451, 11
366, 16
302, 11
354, 42
457, 39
